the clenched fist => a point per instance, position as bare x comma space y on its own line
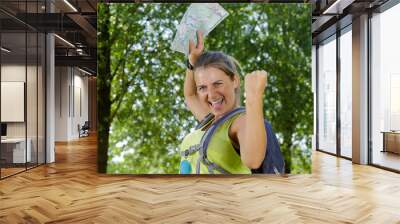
254, 85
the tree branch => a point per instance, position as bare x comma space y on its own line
121, 60
120, 97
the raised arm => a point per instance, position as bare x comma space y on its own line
198, 109
249, 128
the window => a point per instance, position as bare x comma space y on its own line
346, 92
22, 77
327, 95
385, 88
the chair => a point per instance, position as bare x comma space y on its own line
84, 130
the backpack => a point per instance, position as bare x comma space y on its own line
273, 160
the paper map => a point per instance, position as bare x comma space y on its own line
199, 16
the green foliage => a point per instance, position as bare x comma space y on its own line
148, 115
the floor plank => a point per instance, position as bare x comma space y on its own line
70, 191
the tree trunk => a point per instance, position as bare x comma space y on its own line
103, 86
287, 152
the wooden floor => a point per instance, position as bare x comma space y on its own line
10, 171
70, 191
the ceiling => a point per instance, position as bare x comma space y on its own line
330, 15
74, 22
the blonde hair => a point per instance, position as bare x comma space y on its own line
228, 64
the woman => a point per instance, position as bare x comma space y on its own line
212, 86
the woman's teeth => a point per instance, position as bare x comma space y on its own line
216, 102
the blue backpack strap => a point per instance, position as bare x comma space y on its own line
205, 120
273, 161
205, 140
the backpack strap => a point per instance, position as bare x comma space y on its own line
205, 120
205, 140
192, 149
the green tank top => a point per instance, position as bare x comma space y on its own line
220, 150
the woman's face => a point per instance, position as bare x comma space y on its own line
216, 90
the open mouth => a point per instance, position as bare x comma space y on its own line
216, 104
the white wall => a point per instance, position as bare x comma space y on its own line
13, 72
61, 103
80, 110
10, 73
71, 94
12, 101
